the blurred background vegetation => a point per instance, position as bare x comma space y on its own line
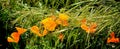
26, 13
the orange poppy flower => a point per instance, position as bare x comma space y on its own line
88, 29
92, 28
84, 27
65, 23
113, 39
52, 17
45, 32
63, 16
83, 21
14, 37
35, 30
49, 24
44, 21
58, 21
62, 20
61, 36
20, 30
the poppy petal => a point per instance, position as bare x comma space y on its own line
113, 39
15, 36
112, 34
9, 39
83, 21
93, 26
21, 30
45, 20
65, 23
63, 16
35, 30
58, 21
45, 32
61, 36
85, 27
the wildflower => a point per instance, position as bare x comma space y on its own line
52, 17
92, 27
62, 20
63, 16
88, 29
113, 39
45, 32
84, 27
61, 36
46, 20
49, 24
83, 21
65, 23
35, 30
58, 21
20, 30
14, 37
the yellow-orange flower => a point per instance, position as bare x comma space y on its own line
63, 19
62, 22
61, 37
65, 23
63, 16
58, 21
52, 17
20, 30
113, 39
49, 24
84, 27
35, 30
14, 37
88, 29
83, 21
46, 20
45, 32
